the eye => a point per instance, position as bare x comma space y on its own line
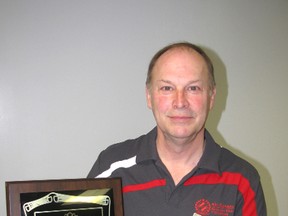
194, 88
166, 88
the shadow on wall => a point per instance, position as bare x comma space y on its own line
212, 125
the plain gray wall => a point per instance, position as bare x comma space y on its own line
72, 79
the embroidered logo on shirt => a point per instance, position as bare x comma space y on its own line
204, 207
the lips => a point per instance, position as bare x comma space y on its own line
181, 119
181, 115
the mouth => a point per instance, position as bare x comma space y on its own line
181, 118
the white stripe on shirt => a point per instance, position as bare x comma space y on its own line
116, 165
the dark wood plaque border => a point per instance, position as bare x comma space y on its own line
15, 188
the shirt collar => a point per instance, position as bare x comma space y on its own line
211, 154
209, 159
147, 147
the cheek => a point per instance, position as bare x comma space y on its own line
198, 104
161, 103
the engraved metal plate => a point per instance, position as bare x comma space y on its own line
77, 197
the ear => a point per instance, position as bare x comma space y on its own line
212, 98
148, 98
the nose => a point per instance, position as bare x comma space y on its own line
180, 100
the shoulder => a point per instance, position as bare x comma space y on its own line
226, 160
230, 162
122, 155
135, 150
122, 150
130, 147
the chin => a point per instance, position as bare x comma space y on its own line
182, 133
185, 132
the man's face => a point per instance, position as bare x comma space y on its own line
179, 95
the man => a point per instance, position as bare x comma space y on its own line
177, 169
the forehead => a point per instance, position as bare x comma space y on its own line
180, 60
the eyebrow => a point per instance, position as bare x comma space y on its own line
170, 82
166, 81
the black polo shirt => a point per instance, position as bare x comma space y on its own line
222, 184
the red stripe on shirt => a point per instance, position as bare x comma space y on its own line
249, 207
144, 186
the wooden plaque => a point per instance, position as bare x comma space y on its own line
65, 197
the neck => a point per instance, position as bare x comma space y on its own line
180, 156
174, 145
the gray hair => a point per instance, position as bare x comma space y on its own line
184, 45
